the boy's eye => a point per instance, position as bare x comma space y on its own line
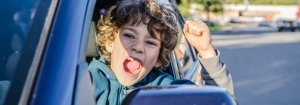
128, 35
152, 43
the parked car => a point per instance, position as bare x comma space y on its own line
287, 25
46, 46
264, 24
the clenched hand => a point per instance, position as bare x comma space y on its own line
198, 35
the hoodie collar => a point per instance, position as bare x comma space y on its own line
104, 67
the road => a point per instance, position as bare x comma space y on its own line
265, 64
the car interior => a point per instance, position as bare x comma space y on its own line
100, 9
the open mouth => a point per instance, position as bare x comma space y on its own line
132, 66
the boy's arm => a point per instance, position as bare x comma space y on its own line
197, 33
214, 72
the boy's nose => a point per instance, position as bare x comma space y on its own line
138, 47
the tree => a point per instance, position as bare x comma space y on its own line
214, 6
184, 6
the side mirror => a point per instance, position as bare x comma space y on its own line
180, 95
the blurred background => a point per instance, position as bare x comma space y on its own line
259, 41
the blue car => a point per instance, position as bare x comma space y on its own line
46, 46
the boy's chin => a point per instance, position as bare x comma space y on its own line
127, 83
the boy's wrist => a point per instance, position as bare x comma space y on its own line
210, 52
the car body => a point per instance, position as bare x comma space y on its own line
46, 47
50, 64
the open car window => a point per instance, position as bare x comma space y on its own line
182, 59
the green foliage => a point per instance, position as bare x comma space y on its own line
214, 27
265, 2
234, 1
184, 8
214, 6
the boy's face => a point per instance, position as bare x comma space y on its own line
134, 53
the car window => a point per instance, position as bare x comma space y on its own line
184, 55
187, 58
183, 52
16, 20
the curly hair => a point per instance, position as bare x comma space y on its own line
159, 18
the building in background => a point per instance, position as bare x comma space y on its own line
247, 13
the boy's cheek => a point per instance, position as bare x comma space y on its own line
158, 64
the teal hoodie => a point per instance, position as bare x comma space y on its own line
108, 91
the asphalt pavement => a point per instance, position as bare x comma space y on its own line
264, 63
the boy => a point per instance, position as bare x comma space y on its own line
136, 38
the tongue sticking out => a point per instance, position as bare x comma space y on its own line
132, 66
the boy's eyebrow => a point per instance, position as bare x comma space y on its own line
131, 29
135, 31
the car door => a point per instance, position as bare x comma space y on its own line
65, 57
22, 39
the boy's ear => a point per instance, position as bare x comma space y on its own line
109, 45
